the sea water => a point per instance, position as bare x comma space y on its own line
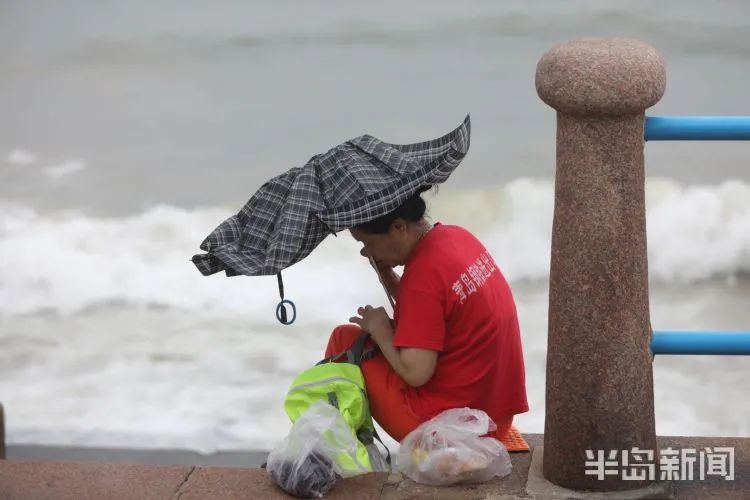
129, 131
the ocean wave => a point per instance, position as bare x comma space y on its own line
67, 261
21, 157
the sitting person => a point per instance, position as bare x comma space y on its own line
454, 340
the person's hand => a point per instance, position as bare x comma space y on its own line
375, 321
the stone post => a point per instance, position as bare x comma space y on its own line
599, 376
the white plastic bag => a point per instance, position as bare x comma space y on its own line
306, 462
448, 449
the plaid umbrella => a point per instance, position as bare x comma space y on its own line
355, 182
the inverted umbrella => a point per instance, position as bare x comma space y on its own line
355, 182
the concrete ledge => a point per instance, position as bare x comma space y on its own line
26, 480
213, 483
246, 459
42, 480
713, 486
538, 487
21, 480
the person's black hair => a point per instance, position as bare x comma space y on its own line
412, 210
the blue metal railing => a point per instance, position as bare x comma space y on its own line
697, 128
682, 342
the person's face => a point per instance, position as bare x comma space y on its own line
386, 248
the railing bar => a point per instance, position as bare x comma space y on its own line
700, 342
697, 128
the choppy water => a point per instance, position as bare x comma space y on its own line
130, 130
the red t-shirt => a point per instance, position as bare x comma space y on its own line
453, 299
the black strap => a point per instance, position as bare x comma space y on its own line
387, 451
281, 285
281, 314
356, 354
366, 437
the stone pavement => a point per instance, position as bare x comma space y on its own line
63, 480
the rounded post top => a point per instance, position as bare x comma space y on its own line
601, 77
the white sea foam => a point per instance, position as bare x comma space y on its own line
164, 378
64, 169
143, 351
21, 157
66, 262
696, 232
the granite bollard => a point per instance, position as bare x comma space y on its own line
599, 392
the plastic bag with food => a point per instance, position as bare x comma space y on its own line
450, 449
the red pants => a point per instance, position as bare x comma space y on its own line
386, 390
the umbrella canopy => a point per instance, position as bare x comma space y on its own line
355, 182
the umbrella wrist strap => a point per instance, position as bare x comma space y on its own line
281, 313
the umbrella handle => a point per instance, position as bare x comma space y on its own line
281, 307
281, 312
382, 282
